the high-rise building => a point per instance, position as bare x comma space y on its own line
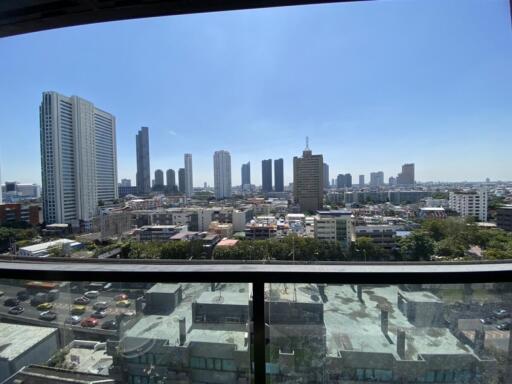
143, 170
340, 181
222, 174
171, 179
181, 180
189, 185
406, 177
361, 181
392, 181
326, 176
266, 175
78, 159
348, 180
377, 179
126, 183
246, 175
278, 175
308, 180
159, 178
471, 203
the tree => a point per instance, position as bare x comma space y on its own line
417, 246
364, 249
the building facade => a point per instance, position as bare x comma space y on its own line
471, 203
361, 181
334, 226
189, 184
278, 175
222, 174
143, 166
78, 158
326, 176
377, 179
171, 179
308, 181
246, 176
159, 178
266, 175
181, 180
406, 177
504, 218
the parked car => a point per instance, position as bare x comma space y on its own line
91, 294
2, 293
100, 305
39, 298
487, 320
17, 310
72, 320
501, 313
123, 303
11, 302
23, 295
504, 326
82, 300
89, 322
121, 296
109, 324
99, 314
107, 287
53, 295
128, 314
78, 309
48, 315
45, 306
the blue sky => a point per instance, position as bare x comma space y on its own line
373, 85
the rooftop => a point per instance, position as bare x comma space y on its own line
164, 288
16, 339
49, 244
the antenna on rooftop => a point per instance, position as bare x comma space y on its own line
307, 143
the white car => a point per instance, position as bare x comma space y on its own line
91, 294
2, 293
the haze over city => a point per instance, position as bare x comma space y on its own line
257, 82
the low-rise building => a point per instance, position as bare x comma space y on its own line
432, 213
221, 229
17, 212
504, 218
43, 249
334, 226
157, 232
40, 374
383, 235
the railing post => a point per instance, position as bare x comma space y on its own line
258, 302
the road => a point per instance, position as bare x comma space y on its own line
62, 306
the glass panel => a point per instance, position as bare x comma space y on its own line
431, 333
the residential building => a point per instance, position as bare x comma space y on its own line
278, 175
17, 212
189, 184
361, 181
377, 179
204, 218
326, 176
340, 181
125, 191
432, 213
383, 235
143, 165
181, 180
246, 176
126, 183
406, 177
157, 232
221, 229
334, 225
222, 174
348, 180
470, 203
407, 197
504, 217
392, 181
25, 344
159, 178
241, 217
78, 159
171, 179
308, 181
266, 175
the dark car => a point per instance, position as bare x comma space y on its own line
98, 314
73, 320
11, 302
487, 320
48, 315
23, 295
504, 326
501, 313
17, 310
109, 324
81, 300
100, 305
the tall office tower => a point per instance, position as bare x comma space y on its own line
143, 171
278, 175
392, 181
170, 176
340, 181
348, 180
189, 185
326, 176
159, 178
361, 181
266, 175
246, 176
308, 180
222, 174
78, 159
406, 177
181, 180
377, 179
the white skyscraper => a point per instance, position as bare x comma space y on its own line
189, 185
78, 158
222, 174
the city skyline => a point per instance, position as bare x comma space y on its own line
412, 107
